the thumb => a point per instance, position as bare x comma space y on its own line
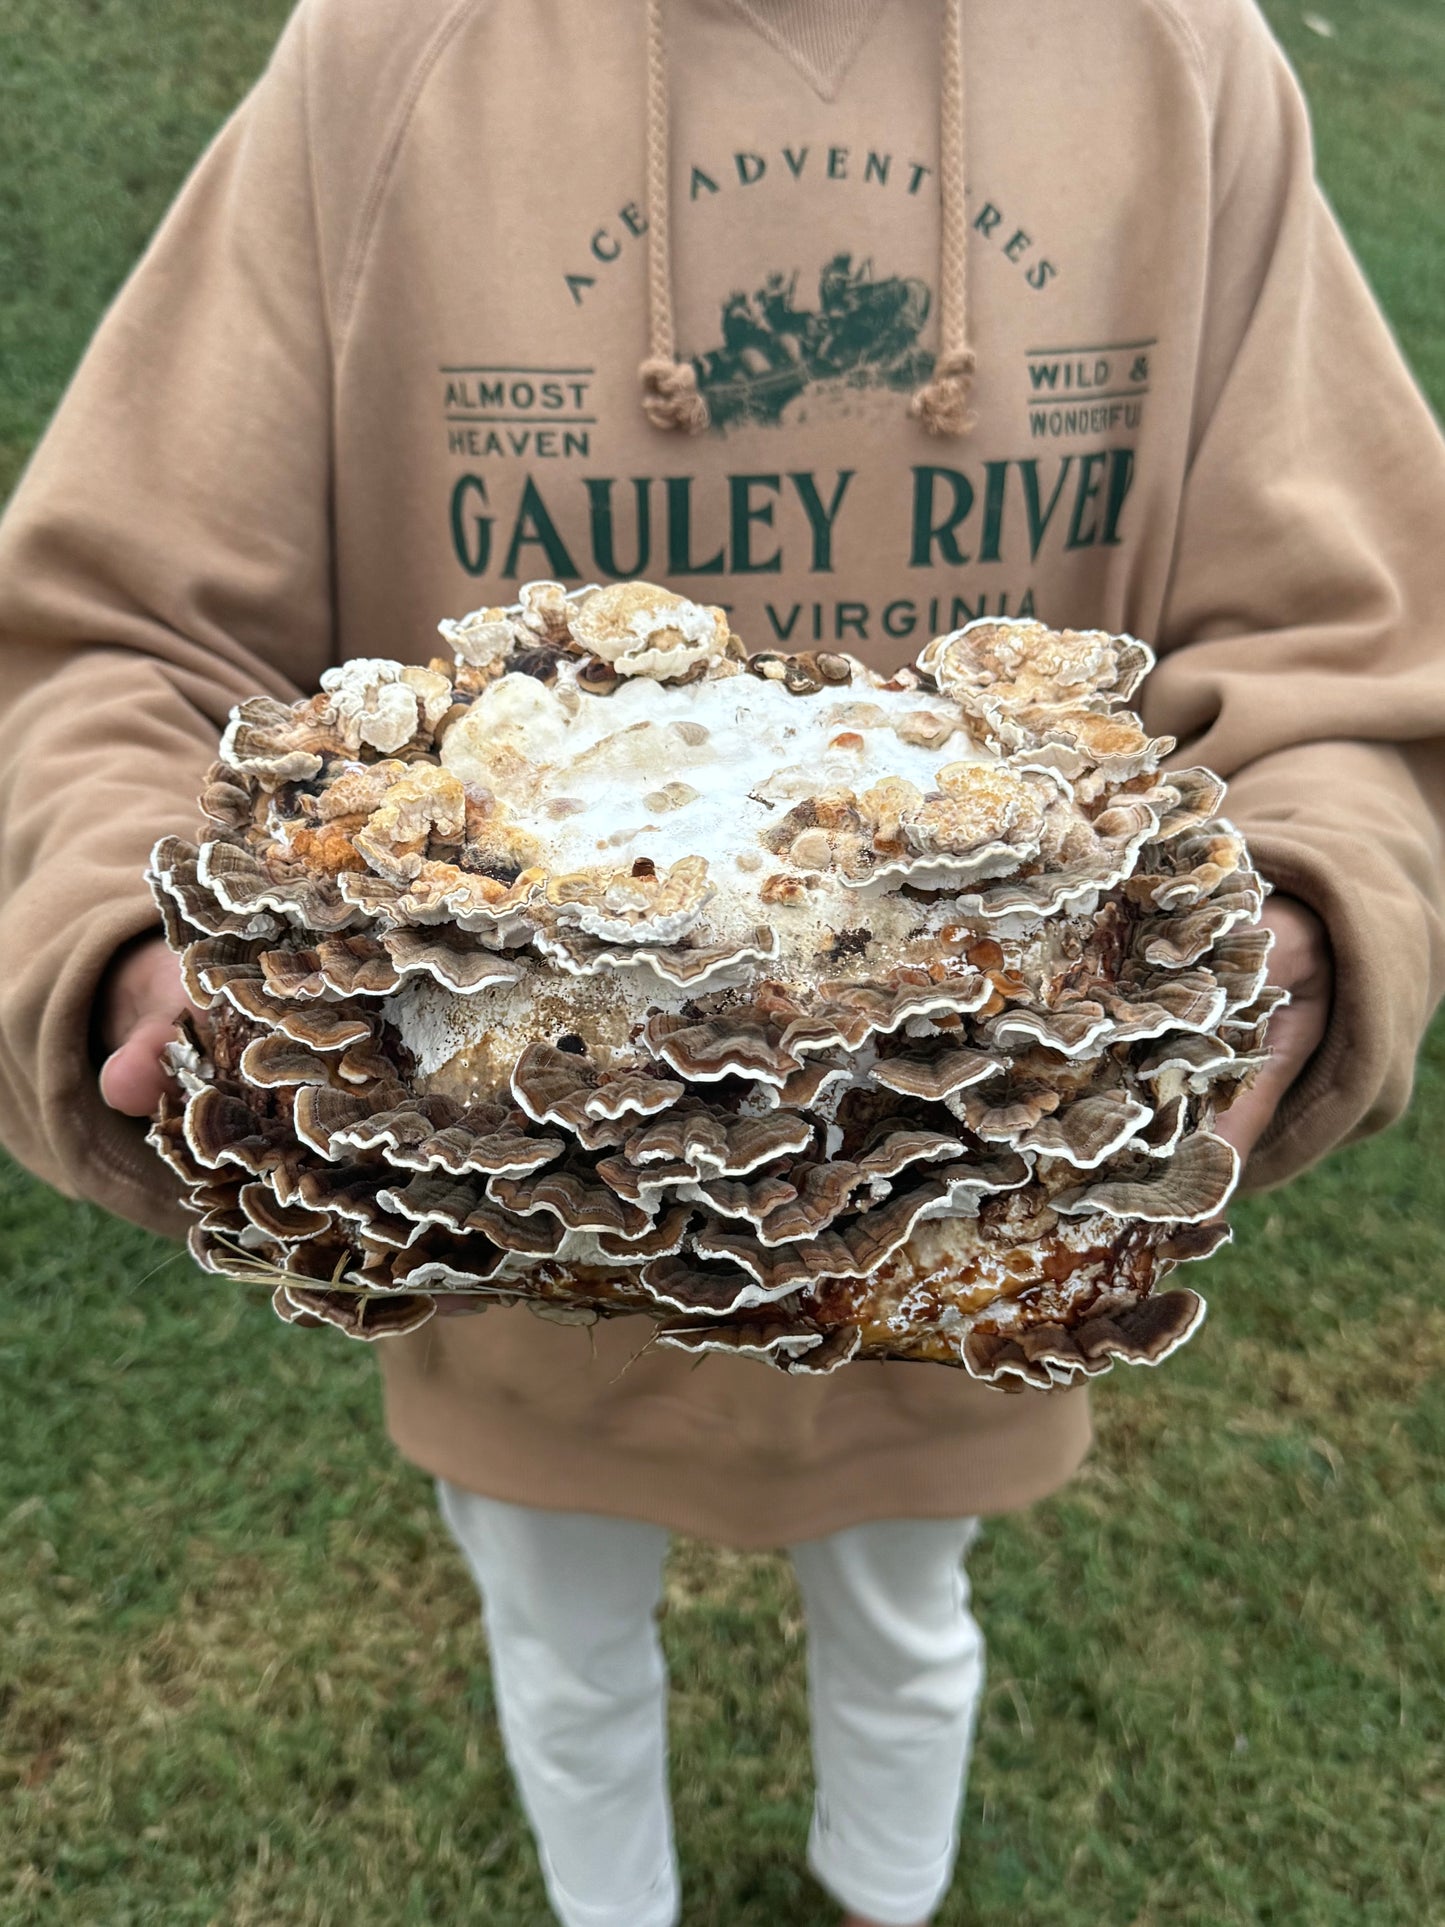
140, 1001
133, 1079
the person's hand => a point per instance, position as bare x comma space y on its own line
140, 1000
1301, 964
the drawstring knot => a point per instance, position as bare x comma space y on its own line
942, 403
670, 394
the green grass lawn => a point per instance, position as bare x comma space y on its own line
241, 1680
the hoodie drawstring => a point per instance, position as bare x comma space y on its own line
670, 394
942, 404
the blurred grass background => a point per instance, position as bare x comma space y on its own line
241, 1680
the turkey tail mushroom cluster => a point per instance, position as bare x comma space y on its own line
815, 1014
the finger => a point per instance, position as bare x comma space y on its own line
144, 982
133, 1079
1243, 1124
1294, 1035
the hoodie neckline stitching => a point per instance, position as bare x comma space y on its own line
826, 85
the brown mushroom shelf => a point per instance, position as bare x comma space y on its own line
816, 1015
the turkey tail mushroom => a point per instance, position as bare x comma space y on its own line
810, 1013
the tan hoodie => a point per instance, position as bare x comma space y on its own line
380, 365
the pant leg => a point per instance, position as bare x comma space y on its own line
895, 1672
569, 1602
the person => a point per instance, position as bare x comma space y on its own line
381, 362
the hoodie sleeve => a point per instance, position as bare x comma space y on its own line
1303, 639
167, 552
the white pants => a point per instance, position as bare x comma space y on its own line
895, 1670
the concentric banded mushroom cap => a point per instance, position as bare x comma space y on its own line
811, 1013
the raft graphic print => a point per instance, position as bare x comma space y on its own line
863, 333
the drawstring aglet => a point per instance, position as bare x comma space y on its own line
670, 395
942, 404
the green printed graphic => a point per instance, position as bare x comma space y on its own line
862, 334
